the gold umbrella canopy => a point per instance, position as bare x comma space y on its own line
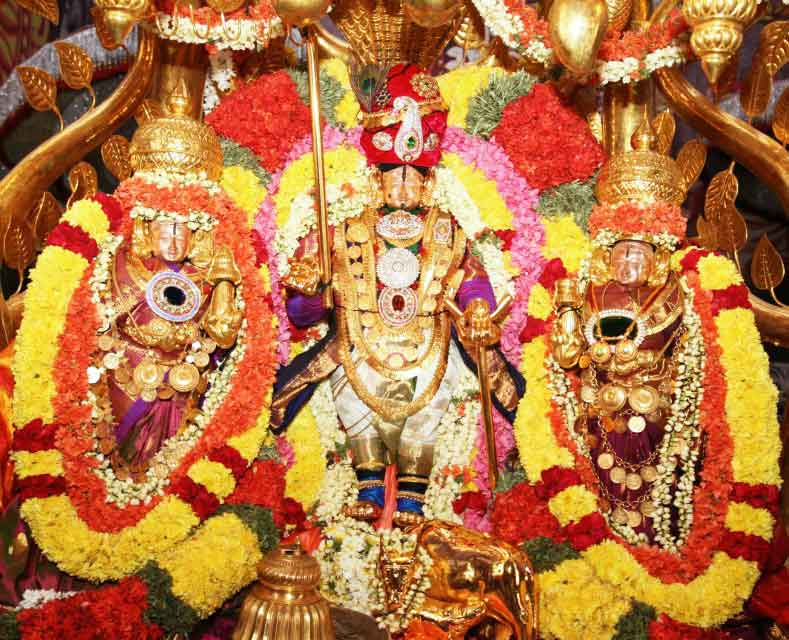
386, 32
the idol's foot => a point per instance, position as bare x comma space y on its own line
364, 511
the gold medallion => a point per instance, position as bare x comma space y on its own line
620, 515
149, 395
184, 377
209, 346
605, 461
202, 359
648, 508
600, 352
644, 399
112, 360
649, 473
358, 232
633, 481
106, 343
617, 475
354, 252
132, 389
636, 424
626, 350
612, 397
634, 518
584, 361
123, 374
588, 394
148, 375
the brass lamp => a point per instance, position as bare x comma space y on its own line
285, 603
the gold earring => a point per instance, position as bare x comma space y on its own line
600, 266
201, 248
141, 239
660, 268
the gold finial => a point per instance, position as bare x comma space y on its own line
644, 138
174, 142
179, 102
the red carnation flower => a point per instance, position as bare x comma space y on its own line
534, 518
532, 130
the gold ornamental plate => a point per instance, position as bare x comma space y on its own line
644, 399
202, 359
634, 518
626, 350
184, 377
612, 397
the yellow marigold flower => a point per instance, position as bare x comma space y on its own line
248, 444
540, 303
750, 399
566, 240
533, 430
718, 272
90, 217
677, 256
459, 86
38, 463
96, 556
347, 111
572, 504
338, 70
747, 519
244, 189
575, 604
706, 601
37, 340
304, 478
213, 564
483, 192
214, 476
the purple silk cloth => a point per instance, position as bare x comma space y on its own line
147, 426
304, 311
476, 288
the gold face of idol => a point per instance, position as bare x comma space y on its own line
402, 187
632, 262
170, 240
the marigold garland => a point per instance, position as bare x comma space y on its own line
711, 577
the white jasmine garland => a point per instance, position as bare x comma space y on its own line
161, 178
662, 240
195, 220
238, 34
33, 598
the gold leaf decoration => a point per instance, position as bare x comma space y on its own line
767, 267
48, 9
708, 234
115, 155
83, 181
76, 68
732, 229
781, 118
595, 121
721, 193
756, 90
18, 246
691, 159
40, 88
148, 110
774, 46
665, 127
45, 216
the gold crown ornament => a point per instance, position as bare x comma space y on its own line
642, 175
176, 143
285, 603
